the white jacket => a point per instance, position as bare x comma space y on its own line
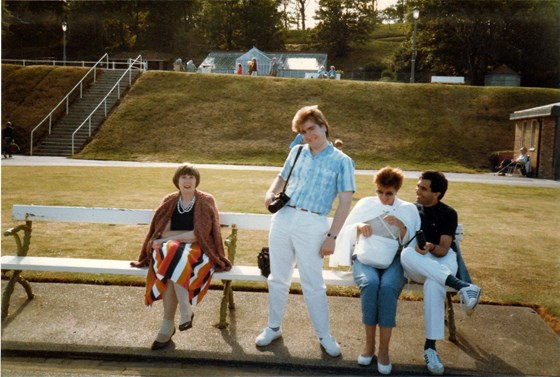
365, 210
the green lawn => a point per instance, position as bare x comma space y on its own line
510, 251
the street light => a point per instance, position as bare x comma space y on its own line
415, 15
64, 27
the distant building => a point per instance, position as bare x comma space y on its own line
290, 64
502, 76
538, 129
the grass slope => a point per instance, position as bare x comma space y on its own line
172, 116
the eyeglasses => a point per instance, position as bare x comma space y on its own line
386, 193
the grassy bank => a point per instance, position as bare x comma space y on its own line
510, 251
170, 116
246, 120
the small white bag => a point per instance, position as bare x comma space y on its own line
377, 251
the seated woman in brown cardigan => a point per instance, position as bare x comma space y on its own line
183, 249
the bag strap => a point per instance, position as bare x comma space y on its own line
292, 168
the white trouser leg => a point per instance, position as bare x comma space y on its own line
282, 260
297, 235
307, 242
432, 271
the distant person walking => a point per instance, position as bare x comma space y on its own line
8, 140
254, 69
239, 70
273, 68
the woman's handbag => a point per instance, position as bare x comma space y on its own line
377, 251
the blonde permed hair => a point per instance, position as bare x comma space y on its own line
311, 113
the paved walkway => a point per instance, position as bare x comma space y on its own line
111, 322
485, 178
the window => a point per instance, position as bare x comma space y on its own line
534, 127
523, 133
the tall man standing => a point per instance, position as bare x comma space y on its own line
300, 231
435, 265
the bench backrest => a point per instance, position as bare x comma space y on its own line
124, 216
251, 221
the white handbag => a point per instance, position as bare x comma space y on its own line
377, 251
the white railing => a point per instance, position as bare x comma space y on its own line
137, 64
66, 99
73, 63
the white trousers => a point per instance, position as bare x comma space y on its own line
296, 237
432, 272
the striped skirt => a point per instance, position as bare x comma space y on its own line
183, 263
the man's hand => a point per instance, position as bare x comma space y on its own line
327, 248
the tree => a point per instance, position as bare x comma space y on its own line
243, 24
344, 21
469, 38
300, 10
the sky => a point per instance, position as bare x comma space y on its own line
312, 7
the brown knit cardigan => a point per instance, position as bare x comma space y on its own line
206, 229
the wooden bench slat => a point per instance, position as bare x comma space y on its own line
124, 216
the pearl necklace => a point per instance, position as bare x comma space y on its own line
182, 209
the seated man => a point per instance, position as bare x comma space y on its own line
522, 162
436, 263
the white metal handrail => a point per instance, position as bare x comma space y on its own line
66, 99
112, 64
103, 102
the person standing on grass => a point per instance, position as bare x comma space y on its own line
183, 249
300, 231
435, 265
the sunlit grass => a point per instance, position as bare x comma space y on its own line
510, 244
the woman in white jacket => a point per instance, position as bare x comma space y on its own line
389, 217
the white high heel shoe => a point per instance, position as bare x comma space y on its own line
384, 369
365, 360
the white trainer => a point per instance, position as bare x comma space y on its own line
330, 346
470, 296
267, 336
433, 362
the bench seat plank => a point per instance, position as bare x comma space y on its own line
122, 267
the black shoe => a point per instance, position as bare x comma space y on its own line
187, 325
160, 345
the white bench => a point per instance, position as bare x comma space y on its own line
315, 75
448, 79
29, 213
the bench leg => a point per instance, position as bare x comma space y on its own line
451, 319
227, 301
7, 294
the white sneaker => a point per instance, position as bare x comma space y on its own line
267, 336
469, 297
433, 362
330, 346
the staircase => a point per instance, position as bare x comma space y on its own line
59, 142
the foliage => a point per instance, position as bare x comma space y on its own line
344, 21
470, 39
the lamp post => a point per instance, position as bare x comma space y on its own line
64, 27
415, 15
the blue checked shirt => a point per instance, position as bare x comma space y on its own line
317, 180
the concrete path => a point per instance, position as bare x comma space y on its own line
485, 178
111, 322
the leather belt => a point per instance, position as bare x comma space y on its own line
303, 209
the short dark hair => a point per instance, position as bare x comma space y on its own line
438, 181
186, 169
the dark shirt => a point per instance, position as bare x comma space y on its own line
183, 221
438, 220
